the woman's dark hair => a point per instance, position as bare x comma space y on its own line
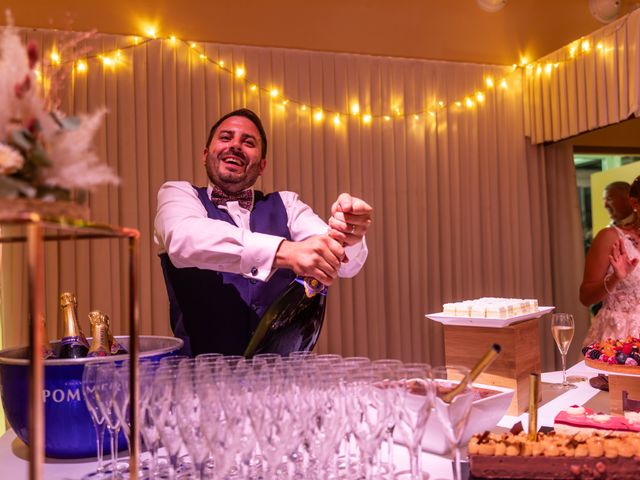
634, 191
242, 112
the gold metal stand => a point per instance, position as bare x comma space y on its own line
45, 221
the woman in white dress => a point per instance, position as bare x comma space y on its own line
611, 276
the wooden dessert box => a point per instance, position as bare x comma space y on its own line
520, 355
627, 380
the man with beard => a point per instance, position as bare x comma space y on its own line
228, 251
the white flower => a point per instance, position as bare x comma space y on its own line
10, 160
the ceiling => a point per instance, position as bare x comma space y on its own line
456, 30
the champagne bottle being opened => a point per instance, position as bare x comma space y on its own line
73, 344
115, 346
293, 321
100, 336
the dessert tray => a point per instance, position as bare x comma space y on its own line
486, 321
608, 367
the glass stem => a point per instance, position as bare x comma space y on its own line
112, 442
414, 461
100, 445
390, 446
564, 369
457, 475
114, 452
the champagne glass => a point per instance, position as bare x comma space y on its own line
415, 391
562, 328
452, 414
89, 393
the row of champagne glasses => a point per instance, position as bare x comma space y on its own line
302, 416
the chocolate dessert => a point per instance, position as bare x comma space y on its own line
554, 456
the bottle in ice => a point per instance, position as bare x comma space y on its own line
45, 348
73, 344
293, 321
100, 335
114, 345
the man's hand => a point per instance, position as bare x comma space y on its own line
318, 257
350, 219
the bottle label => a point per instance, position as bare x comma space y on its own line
312, 286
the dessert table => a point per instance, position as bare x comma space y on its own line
14, 454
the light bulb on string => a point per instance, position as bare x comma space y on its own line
81, 66
55, 57
366, 118
151, 32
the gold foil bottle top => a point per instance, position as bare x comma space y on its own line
67, 298
100, 341
96, 317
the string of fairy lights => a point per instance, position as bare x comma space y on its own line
111, 59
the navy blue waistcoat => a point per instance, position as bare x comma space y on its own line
219, 311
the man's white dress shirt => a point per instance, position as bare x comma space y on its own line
192, 239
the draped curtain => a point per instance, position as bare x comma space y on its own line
461, 198
591, 83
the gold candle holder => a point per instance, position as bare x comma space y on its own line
534, 387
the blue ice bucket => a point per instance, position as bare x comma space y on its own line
69, 431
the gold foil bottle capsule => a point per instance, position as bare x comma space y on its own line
100, 337
73, 344
45, 348
116, 346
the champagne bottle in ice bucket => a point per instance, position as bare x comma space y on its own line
45, 348
293, 321
115, 345
100, 335
73, 344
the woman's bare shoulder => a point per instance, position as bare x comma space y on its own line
604, 240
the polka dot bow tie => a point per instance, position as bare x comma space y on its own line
244, 198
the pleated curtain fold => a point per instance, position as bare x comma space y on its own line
462, 200
591, 83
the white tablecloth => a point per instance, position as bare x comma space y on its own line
14, 454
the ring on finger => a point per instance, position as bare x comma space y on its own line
353, 229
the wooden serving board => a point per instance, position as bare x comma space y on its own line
598, 365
